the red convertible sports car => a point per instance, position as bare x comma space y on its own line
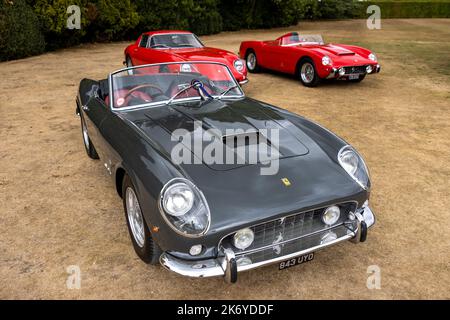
309, 58
176, 46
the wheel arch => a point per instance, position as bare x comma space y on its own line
120, 175
300, 61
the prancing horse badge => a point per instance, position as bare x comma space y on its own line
286, 182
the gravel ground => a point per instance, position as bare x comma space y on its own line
59, 208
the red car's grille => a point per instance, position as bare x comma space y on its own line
355, 70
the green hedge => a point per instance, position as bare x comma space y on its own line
20, 34
403, 9
29, 27
240, 14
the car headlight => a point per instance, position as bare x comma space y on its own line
238, 65
184, 207
326, 60
355, 166
372, 57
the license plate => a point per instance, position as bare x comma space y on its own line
353, 76
296, 261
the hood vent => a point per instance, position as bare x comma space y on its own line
244, 139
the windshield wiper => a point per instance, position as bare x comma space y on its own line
198, 86
222, 94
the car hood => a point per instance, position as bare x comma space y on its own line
225, 121
203, 54
240, 195
339, 55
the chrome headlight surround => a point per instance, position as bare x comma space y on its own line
372, 57
326, 60
195, 219
354, 165
238, 65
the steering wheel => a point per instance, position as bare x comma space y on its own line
140, 87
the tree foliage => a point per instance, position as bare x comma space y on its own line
20, 34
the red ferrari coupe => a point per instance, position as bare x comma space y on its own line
176, 46
309, 58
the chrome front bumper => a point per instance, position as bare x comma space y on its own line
228, 264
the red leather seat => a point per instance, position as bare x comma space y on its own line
121, 93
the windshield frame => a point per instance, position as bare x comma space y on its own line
322, 42
164, 102
149, 40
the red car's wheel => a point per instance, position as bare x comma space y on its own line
252, 62
307, 73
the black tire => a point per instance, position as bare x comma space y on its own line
149, 251
308, 79
361, 78
252, 66
88, 145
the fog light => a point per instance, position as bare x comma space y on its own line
328, 237
196, 250
243, 238
331, 215
341, 72
369, 69
244, 261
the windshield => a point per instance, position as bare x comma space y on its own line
294, 39
167, 83
174, 41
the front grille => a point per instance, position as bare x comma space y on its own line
294, 246
291, 227
355, 70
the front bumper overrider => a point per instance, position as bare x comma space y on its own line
228, 264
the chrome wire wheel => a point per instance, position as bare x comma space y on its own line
251, 61
134, 216
307, 72
85, 133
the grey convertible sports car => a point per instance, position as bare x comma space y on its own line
213, 182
